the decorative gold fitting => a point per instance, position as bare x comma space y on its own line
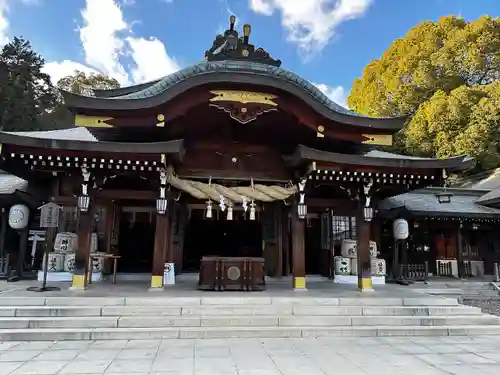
320, 131
161, 120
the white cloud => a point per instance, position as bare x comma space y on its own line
4, 22
311, 24
58, 70
107, 38
336, 94
151, 59
102, 45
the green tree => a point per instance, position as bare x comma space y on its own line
445, 75
26, 94
83, 84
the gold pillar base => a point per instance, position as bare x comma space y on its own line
78, 282
156, 283
299, 283
365, 284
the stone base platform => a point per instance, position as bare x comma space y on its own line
127, 311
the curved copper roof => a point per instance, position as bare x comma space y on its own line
228, 71
110, 93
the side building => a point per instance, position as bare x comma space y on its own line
454, 232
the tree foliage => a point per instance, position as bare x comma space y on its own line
26, 93
83, 84
446, 75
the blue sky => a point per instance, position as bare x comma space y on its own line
328, 42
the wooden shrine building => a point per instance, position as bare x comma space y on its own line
231, 157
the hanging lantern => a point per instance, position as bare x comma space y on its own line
209, 209
302, 211
161, 206
252, 210
230, 213
83, 203
19, 216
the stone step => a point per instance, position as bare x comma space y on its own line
69, 311
239, 332
245, 321
489, 293
64, 322
225, 301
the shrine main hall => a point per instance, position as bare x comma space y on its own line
233, 168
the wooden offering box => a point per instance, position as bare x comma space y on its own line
228, 273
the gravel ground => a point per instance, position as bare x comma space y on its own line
490, 305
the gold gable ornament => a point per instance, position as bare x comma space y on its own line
243, 97
378, 139
92, 121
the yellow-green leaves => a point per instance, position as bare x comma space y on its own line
83, 84
446, 75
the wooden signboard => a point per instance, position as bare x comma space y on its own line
49, 215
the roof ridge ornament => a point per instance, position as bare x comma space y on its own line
232, 47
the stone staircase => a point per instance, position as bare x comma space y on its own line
479, 289
88, 318
481, 294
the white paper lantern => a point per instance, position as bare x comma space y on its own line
19, 216
400, 229
342, 266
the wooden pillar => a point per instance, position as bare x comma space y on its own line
4, 218
363, 231
162, 251
279, 266
460, 264
298, 251
115, 233
23, 245
168, 251
110, 220
82, 252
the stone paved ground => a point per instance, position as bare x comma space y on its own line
361, 356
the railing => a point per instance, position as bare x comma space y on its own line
414, 272
466, 269
444, 268
4, 265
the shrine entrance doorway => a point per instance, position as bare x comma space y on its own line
136, 240
218, 236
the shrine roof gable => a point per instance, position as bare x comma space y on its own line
229, 71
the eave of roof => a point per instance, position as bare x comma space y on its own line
424, 202
233, 72
71, 134
76, 139
380, 159
490, 198
10, 183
